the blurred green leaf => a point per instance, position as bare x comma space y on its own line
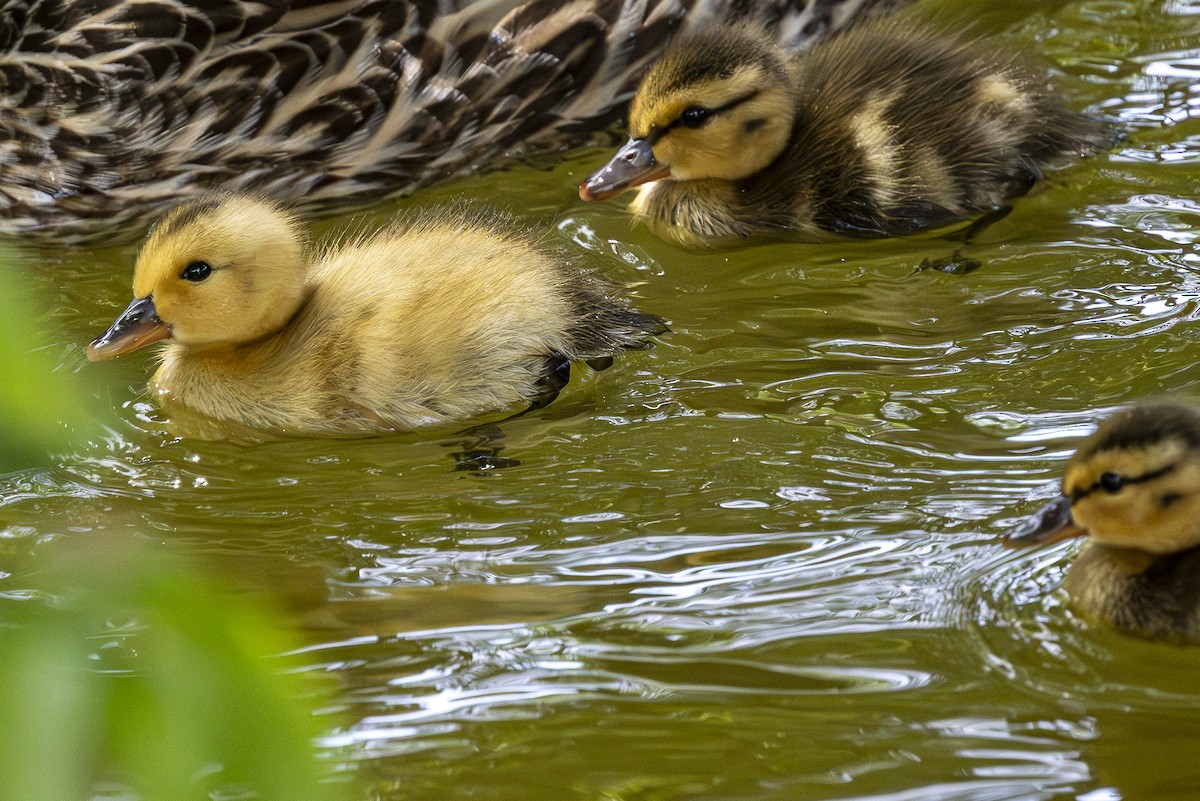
50, 708
209, 702
189, 697
39, 405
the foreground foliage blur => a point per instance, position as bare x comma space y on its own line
125, 671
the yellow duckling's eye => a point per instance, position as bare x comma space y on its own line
694, 116
196, 271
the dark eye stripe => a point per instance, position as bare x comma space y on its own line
1124, 481
658, 133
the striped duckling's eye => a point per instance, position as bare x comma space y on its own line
1111, 482
196, 272
694, 116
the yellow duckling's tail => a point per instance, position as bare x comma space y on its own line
603, 325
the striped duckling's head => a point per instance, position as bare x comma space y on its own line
717, 105
1135, 483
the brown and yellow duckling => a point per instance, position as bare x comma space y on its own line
435, 320
1134, 488
884, 129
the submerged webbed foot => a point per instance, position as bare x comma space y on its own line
981, 224
954, 264
482, 462
556, 376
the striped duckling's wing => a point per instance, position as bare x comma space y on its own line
112, 111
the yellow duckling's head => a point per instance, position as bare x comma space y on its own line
717, 105
1135, 483
218, 271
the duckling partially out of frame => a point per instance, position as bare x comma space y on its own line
887, 128
433, 320
1133, 488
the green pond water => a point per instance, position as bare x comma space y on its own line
759, 561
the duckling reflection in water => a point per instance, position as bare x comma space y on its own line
1134, 488
885, 129
435, 320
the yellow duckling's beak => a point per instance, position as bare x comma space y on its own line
137, 327
1050, 524
634, 164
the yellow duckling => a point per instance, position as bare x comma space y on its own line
1134, 488
432, 321
884, 129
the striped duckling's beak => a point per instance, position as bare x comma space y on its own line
633, 164
1051, 523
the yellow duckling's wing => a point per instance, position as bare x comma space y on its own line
112, 110
452, 314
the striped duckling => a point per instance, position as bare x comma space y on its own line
887, 128
1133, 488
433, 320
